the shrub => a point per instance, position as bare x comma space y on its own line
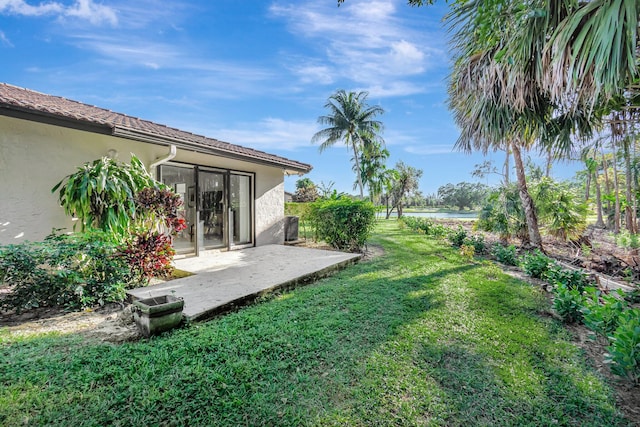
568, 303
72, 271
149, 254
624, 352
423, 225
506, 254
426, 226
342, 222
535, 264
458, 237
467, 251
148, 248
573, 279
601, 313
477, 242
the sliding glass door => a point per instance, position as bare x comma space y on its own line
212, 198
218, 206
182, 179
240, 209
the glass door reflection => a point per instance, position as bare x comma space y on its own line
211, 188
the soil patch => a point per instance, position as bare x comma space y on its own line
110, 323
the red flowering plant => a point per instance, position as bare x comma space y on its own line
149, 250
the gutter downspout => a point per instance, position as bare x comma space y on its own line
172, 153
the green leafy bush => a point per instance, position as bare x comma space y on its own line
344, 223
601, 312
458, 237
568, 303
72, 271
506, 254
573, 279
624, 352
423, 225
535, 264
478, 243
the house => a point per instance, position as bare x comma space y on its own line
233, 196
288, 197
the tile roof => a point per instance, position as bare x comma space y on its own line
38, 106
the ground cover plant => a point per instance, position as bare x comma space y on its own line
418, 336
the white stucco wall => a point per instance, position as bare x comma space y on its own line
34, 157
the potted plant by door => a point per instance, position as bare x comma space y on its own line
157, 314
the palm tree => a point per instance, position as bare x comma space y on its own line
489, 122
374, 173
352, 121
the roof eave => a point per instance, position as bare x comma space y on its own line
54, 119
9, 110
151, 138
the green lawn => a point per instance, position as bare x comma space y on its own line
415, 337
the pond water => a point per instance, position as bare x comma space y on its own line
449, 215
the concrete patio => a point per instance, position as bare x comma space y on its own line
224, 280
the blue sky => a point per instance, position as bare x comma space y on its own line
253, 72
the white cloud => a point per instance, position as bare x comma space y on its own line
364, 42
4, 40
270, 134
20, 7
92, 12
428, 149
314, 73
83, 9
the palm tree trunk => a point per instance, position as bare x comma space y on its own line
506, 165
600, 220
616, 185
629, 217
358, 171
535, 239
607, 184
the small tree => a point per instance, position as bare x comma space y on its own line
306, 191
404, 183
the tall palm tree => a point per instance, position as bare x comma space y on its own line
351, 121
489, 122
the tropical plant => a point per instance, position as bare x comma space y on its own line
535, 264
601, 312
555, 274
505, 254
353, 122
101, 194
503, 214
562, 212
624, 352
568, 303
